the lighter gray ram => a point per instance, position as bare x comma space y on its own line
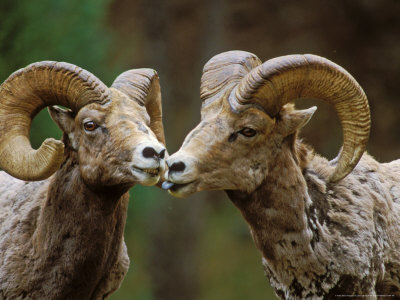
62, 221
324, 228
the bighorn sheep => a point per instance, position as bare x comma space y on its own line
324, 228
62, 237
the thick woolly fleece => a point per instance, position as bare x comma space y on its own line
62, 238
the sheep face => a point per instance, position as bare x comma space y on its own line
113, 141
247, 120
230, 151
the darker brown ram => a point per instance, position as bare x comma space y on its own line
62, 220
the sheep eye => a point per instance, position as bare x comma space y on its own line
248, 132
90, 126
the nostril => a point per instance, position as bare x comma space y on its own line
177, 167
149, 152
162, 154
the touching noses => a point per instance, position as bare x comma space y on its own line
150, 152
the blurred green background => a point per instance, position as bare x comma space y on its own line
200, 247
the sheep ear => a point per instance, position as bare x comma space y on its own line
64, 118
297, 119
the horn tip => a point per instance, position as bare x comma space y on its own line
336, 177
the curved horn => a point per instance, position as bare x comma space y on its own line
222, 72
287, 78
22, 96
143, 85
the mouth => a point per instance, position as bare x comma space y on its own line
174, 187
151, 171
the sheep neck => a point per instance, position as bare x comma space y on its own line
276, 214
81, 227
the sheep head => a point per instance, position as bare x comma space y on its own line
246, 115
116, 132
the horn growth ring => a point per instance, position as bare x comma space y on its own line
23, 95
281, 80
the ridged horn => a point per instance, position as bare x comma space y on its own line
287, 78
22, 96
143, 86
223, 71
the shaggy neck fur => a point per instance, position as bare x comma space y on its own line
320, 240
80, 226
276, 213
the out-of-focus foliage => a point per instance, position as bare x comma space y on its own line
62, 30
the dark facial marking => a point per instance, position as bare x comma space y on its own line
104, 130
232, 137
